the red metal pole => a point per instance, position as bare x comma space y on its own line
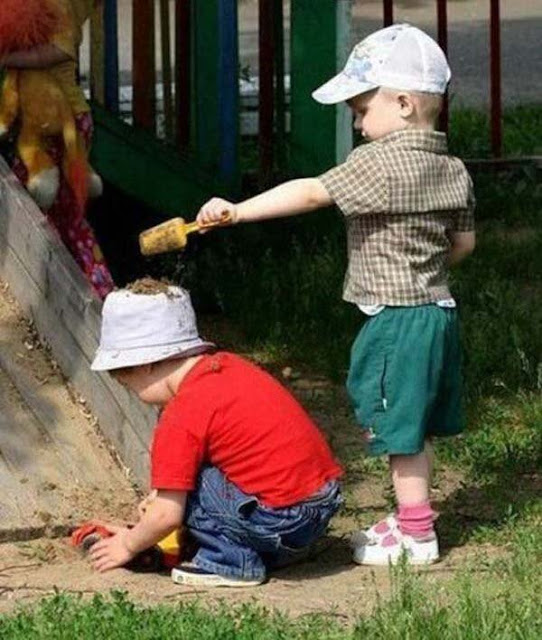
182, 71
143, 68
388, 12
495, 70
267, 97
280, 91
442, 29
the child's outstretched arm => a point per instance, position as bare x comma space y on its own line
166, 515
287, 199
41, 57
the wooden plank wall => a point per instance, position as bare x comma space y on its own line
52, 291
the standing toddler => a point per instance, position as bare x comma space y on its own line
408, 207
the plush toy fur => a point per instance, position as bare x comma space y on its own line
38, 101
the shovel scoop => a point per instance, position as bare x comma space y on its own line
172, 235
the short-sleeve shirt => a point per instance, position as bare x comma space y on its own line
74, 14
233, 415
402, 196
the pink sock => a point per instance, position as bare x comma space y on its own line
416, 520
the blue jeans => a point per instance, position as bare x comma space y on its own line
241, 538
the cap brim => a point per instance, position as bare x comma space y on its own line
108, 360
341, 88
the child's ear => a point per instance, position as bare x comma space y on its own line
406, 105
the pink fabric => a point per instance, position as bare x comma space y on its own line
69, 222
382, 527
389, 541
416, 520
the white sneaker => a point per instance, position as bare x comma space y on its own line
189, 574
390, 550
375, 533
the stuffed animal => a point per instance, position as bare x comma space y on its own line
35, 99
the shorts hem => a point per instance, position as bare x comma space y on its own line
447, 434
390, 451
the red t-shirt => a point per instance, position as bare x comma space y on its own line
233, 415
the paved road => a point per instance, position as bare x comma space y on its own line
468, 41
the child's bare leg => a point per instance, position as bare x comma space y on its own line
410, 476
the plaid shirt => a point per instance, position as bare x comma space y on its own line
402, 196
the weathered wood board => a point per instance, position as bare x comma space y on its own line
55, 470
52, 291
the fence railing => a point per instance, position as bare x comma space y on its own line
197, 91
495, 62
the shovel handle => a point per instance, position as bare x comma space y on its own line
189, 227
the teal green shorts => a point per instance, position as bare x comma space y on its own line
405, 378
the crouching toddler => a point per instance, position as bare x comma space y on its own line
234, 456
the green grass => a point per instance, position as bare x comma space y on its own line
470, 131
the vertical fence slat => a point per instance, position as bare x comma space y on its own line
228, 90
182, 71
165, 44
495, 71
205, 97
442, 31
266, 94
143, 64
388, 12
280, 92
97, 55
111, 56
313, 46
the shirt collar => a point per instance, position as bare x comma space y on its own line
432, 141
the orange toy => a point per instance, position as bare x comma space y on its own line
166, 554
39, 102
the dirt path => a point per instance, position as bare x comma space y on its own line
329, 583
36, 561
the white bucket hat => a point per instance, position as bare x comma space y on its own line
141, 328
399, 57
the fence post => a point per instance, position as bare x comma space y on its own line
205, 97
280, 91
165, 42
143, 64
228, 92
216, 87
111, 55
442, 29
495, 70
97, 55
266, 92
388, 12
183, 57
318, 45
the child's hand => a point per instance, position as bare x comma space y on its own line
111, 553
217, 210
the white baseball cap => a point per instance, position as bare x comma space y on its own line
143, 328
399, 57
